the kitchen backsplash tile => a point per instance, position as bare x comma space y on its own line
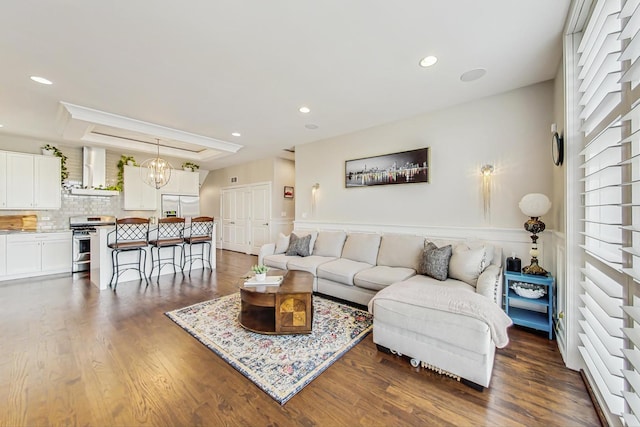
73, 205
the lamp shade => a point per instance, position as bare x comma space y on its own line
535, 205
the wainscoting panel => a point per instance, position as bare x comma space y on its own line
511, 240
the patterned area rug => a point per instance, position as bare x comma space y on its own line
281, 365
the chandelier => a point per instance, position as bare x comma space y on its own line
156, 172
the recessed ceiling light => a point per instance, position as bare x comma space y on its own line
472, 75
428, 61
304, 110
1, 125
311, 126
41, 80
236, 134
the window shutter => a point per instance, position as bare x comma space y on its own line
605, 165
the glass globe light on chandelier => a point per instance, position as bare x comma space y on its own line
156, 172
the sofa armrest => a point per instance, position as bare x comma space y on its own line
490, 284
266, 249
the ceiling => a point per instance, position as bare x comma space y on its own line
207, 68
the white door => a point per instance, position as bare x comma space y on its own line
260, 216
243, 220
234, 233
228, 218
236, 219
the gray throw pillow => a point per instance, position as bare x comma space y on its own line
299, 245
435, 261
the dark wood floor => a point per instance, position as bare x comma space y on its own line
72, 355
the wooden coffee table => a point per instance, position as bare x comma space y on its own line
284, 309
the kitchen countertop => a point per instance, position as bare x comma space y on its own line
4, 232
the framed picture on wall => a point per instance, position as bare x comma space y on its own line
405, 167
288, 192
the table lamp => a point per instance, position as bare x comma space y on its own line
534, 205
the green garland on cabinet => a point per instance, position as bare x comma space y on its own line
123, 161
64, 172
192, 166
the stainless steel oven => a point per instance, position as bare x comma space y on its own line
82, 227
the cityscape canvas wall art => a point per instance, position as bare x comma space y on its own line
398, 168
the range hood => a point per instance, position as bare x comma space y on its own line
94, 170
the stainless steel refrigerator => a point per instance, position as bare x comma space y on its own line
180, 206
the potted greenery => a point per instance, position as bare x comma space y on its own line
261, 272
191, 167
124, 160
50, 150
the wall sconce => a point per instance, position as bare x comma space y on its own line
486, 171
534, 205
314, 190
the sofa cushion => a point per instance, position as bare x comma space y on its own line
400, 250
362, 247
467, 263
426, 280
298, 245
435, 261
488, 283
448, 329
329, 243
282, 244
309, 264
381, 276
312, 233
341, 270
278, 261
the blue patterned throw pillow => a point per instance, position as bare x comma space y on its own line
299, 245
435, 261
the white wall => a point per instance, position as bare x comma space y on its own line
559, 187
246, 173
284, 174
510, 131
279, 172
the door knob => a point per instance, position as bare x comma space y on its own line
266, 223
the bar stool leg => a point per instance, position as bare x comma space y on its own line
114, 267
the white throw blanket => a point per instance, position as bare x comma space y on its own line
453, 300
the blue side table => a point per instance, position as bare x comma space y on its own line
539, 320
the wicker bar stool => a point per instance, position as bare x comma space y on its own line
170, 235
130, 234
200, 232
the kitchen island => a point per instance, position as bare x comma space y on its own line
101, 269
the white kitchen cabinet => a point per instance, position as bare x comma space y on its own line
23, 255
56, 253
32, 181
3, 255
138, 196
182, 183
35, 254
47, 182
3, 179
20, 179
189, 183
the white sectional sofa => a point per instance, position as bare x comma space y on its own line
451, 325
